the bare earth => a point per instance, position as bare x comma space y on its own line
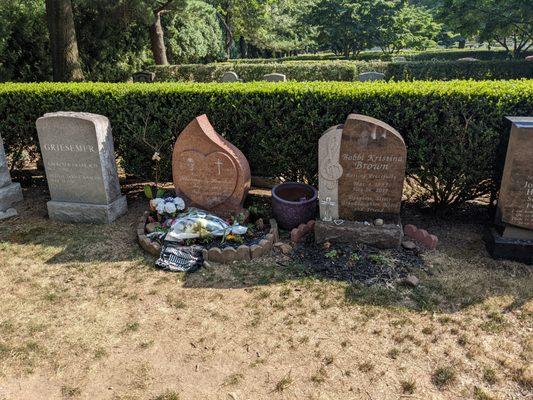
85, 315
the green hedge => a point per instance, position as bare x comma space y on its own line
410, 55
452, 129
298, 71
446, 70
304, 71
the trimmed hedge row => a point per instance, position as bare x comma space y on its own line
303, 71
446, 70
452, 129
410, 55
298, 71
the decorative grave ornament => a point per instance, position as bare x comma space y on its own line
79, 159
9, 192
208, 171
144, 76
512, 238
361, 174
275, 77
230, 76
371, 76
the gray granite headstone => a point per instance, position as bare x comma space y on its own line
81, 171
398, 59
275, 77
230, 76
9, 192
371, 76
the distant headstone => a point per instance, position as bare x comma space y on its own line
275, 77
529, 58
144, 76
9, 192
230, 76
467, 59
79, 159
361, 174
399, 59
371, 76
208, 171
513, 237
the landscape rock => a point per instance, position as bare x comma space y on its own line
378, 222
410, 280
285, 248
409, 245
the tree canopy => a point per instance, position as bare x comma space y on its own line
117, 37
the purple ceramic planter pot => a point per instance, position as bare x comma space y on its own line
294, 204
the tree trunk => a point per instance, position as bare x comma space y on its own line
157, 40
63, 44
243, 47
346, 52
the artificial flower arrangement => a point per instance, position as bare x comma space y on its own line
178, 223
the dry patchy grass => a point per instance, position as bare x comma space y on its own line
84, 315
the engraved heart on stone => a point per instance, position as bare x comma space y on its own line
208, 180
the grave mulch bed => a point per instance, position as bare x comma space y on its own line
357, 262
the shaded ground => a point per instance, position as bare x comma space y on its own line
85, 315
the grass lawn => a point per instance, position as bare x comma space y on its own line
85, 315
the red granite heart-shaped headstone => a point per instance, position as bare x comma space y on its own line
208, 180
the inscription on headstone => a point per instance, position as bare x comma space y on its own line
9, 192
79, 160
209, 172
373, 158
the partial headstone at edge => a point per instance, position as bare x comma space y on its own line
10, 192
79, 159
512, 236
371, 76
275, 77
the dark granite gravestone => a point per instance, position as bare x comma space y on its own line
79, 159
512, 236
144, 77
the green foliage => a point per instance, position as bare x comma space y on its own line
319, 71
23, 41
506, 22
410, 55
452, 129
447, 70
347, 26
194, 35
349, 70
